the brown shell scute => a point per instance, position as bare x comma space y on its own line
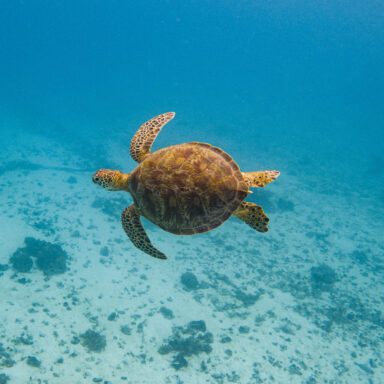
188, 188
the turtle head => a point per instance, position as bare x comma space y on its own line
111, 180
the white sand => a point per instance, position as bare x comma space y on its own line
284, 345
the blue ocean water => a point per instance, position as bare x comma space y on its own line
292, 86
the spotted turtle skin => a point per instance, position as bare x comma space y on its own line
187, 188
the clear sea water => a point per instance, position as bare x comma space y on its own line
296, 86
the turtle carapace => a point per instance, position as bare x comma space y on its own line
184, 189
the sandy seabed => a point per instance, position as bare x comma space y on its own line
300, 304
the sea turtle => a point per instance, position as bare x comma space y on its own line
184, 189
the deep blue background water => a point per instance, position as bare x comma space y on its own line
278, 70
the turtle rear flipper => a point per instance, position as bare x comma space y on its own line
261, 178
253, 215
142, 142
130, 219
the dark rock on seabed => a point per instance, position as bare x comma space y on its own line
21, 261
189, 281
4, 378
33, 361
167, 313
187, 341
5, 358
323, 277
93, 341
50, 258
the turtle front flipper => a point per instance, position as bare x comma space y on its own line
131, 222
253, 215
142, 141
261, 178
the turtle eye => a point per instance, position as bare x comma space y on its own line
96, 179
